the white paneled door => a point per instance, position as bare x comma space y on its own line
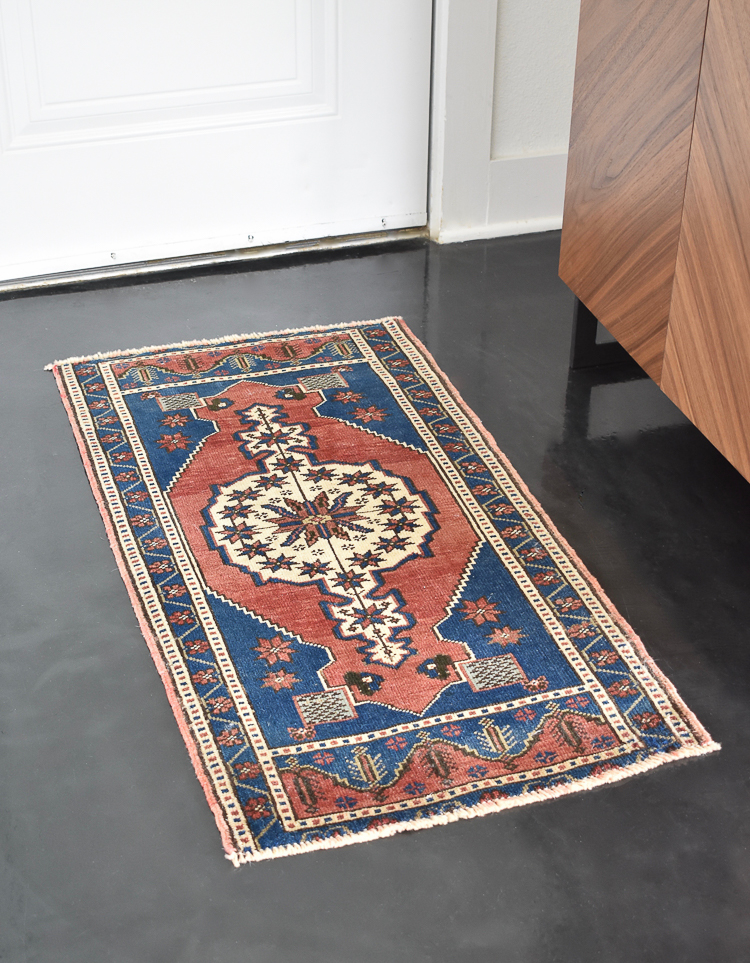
154, 129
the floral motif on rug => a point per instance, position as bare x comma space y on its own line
363, 620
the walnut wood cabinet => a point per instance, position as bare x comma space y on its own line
656, 230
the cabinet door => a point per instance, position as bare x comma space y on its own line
635, 87
707, 359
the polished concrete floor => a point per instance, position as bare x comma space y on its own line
109, 851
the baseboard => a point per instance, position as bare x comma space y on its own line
524, 195
501, 229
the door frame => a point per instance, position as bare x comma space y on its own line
472, 195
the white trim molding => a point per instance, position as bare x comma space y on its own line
524, 195
463, 79
472, 194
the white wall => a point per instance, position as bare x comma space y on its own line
535, 51
502, 93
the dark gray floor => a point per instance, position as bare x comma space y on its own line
110, 852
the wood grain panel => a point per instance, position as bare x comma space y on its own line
707, 359
633, 105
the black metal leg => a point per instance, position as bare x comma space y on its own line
585, 352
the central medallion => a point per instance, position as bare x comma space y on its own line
345, 538
296, 519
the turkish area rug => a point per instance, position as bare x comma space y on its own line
363, 620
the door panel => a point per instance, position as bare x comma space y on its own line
277, 63
151, 130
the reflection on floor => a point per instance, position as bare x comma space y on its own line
109, 850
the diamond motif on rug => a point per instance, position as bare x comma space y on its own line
301, 521
364, 622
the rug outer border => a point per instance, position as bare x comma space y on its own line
699, 730
153, 647
705, 743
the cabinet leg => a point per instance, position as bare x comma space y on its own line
585, 352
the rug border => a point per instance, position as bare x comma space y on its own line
699, 731
202, 342
135, 600
538, 795
705, 743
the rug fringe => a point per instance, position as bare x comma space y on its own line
479, 809
202, 342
